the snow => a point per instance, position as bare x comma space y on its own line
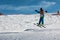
21, 27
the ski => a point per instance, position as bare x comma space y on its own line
39, 25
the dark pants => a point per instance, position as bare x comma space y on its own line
41, 20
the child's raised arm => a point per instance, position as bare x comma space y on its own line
37, 11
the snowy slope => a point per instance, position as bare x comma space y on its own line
18, 23
21, 27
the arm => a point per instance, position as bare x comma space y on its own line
37, 11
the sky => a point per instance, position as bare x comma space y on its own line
28, 6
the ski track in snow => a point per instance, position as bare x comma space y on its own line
21, 27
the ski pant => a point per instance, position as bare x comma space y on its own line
41, 20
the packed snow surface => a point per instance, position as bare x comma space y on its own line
22, 27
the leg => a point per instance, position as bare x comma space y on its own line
43, 22
40, 20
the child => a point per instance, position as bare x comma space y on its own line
41, 20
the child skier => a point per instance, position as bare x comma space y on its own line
41, 20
